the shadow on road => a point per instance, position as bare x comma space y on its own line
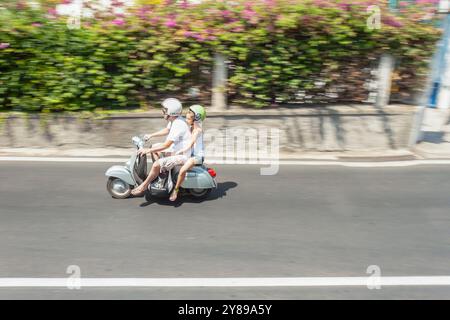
219, 192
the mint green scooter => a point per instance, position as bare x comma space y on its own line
199, 182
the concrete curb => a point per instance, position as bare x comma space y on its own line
373, 156
426, 152
347, 110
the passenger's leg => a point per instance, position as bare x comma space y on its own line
181, 176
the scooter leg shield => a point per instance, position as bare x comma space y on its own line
121, 172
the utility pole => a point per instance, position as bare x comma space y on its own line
219, 84
385, 69
384, 80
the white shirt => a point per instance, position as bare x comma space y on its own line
180, 135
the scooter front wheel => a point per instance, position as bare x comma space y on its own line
118, 188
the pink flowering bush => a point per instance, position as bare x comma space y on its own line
279, 51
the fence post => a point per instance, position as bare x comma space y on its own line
219, 85
384, 78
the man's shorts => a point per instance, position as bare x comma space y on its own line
168, 163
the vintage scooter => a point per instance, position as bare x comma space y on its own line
199, 181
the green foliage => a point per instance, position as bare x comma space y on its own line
276, 50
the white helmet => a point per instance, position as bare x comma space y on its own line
173, 107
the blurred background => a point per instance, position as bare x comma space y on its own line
58, 55
241, 59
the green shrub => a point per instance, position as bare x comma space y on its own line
276, 49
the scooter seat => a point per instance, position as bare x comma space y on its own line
190, 173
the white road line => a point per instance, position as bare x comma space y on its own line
227, 282
359, 164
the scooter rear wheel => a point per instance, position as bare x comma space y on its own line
118, 188
200, 193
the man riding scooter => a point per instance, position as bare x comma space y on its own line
178, 137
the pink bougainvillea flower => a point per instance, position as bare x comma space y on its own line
4, 45
118, 22
36, 24
171, 23
143, 12
427, 1
184, 4
249, 14
345, 6
117, 3
52, 12
66, 1
322, 3
391, 21
154, 20
198, 37
226, 13
191, 34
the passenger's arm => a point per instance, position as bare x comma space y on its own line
195, 135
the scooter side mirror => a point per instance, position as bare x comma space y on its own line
138, 142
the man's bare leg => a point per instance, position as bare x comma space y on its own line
154, 172
155, 156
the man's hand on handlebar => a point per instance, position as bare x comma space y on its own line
143, 151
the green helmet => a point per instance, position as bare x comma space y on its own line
199, 112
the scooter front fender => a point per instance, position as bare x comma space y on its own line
121, 172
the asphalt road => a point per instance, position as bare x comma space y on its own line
304, 221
